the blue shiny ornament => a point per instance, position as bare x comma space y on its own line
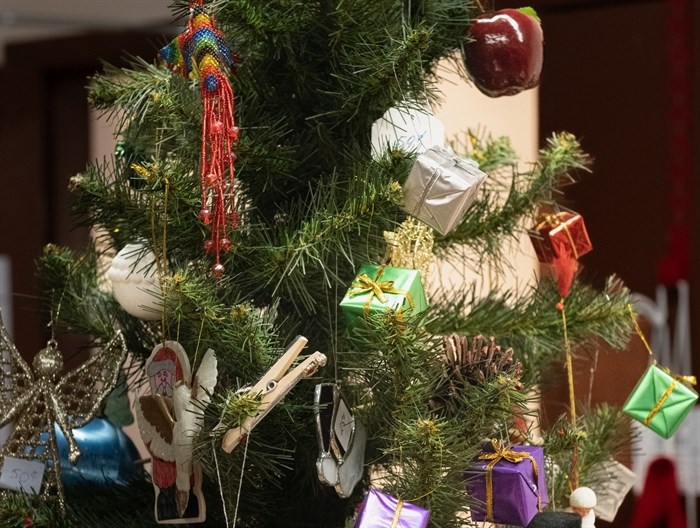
107, 455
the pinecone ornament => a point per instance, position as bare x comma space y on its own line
476, 363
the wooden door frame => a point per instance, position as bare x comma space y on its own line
44, 140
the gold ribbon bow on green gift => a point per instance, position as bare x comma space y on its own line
363, 284
691, 380
501, 452
555, 220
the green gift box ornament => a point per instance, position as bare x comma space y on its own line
661, 401
380, 288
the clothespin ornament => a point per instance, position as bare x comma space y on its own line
273, 387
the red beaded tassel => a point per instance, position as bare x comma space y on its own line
218, 137
202, 52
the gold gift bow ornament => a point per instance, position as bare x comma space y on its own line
691, 380
500, 453
363, 284
555, 220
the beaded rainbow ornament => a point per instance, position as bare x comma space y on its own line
202, 53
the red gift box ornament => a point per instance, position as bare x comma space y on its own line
201, 52
560, 239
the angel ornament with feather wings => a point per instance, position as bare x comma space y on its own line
169, 419
36, 398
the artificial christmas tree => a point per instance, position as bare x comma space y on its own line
312, 203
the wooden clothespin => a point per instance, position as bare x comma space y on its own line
274, 386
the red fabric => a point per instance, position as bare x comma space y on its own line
565, 267
675, 265
164, 473
660, 505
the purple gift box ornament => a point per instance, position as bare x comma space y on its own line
380, 510
511, 484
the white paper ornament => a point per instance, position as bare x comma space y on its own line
617, 480
135, 282
407, 129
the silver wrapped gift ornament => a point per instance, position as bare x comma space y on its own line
440, 188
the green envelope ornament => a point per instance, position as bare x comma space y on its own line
661, 401
380, 288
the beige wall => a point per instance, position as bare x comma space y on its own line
464, 107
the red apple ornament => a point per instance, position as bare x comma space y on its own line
505, 51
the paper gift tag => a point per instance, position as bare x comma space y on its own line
411, 130
618, 481
22, 475
344, 425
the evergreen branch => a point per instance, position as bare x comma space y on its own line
489, 219
154, 109
370, 87
240, 334
74, 284
600, 434
277, 24
297, 260
313, 78
142, 90
533, 326
429, 461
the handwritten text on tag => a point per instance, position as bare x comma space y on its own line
22, 475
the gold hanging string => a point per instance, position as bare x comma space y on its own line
199, 340
363, 284
569, 364
638, 330
573, 478
503, 453
161, 260
218, 479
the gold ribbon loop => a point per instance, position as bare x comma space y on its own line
689, 380
501, 452
364, 284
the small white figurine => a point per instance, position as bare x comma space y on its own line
582, 501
